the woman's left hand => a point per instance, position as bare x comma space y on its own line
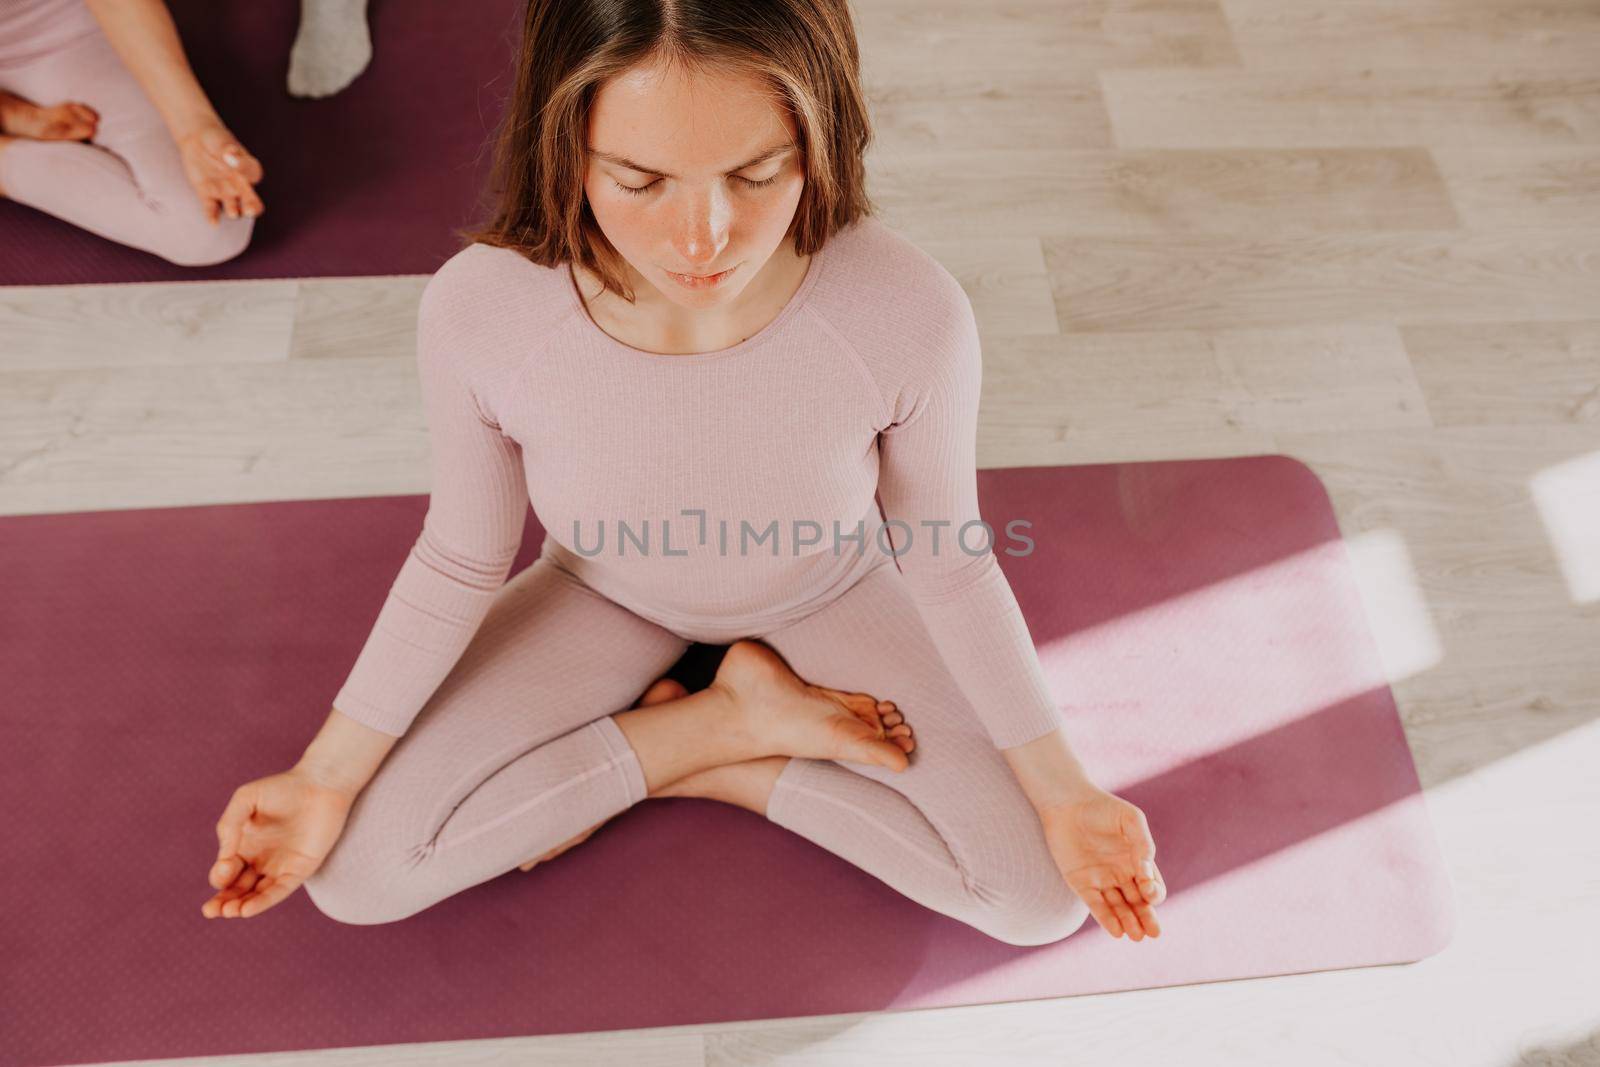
1103, 847
222, 172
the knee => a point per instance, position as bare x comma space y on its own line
1037, 924
364, 901
1028, 903
194, 242
366, 881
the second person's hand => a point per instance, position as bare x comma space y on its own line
274, 834
222, 172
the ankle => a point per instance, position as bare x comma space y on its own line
747, 784
744, 740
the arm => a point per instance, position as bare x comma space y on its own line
345, 754
145, 38
470, 537
928, 471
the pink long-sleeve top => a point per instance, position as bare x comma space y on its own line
703, 491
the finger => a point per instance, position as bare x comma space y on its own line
231, 823
1147, 917
214, 907
224, 871
243, 888
1130, 922
1151, 887
253, 205
243, 905
241, 805
1137, 828
1100, 908
276, 890
1141, 910
237, 185
227, 193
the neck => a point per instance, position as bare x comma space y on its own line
657, 324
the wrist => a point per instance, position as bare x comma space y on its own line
188, 123
1049, 773
328, 777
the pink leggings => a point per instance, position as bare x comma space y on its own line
128, 184
516, 752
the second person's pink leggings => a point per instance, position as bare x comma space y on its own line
126, 185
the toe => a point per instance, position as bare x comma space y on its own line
663, 689
861, 704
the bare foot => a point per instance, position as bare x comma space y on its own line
795, 718
792, 716
663, 690
70, 121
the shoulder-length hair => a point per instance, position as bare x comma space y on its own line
805, 50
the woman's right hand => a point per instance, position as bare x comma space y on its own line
222, 172
274, 834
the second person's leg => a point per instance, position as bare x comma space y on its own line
129, 185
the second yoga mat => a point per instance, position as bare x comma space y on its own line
372, 180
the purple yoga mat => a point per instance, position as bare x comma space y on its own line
372, 180
1197, 618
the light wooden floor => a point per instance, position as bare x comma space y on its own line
1365, 233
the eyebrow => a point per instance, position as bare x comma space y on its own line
624, 161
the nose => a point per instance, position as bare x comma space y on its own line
702, 231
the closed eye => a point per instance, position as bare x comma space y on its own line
641, 190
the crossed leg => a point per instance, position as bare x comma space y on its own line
129, 184
514, 753
954, 832
518, 756
996, 875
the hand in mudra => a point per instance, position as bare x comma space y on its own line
1102, 845
275, 833
222, 172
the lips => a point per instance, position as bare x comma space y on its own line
702, 281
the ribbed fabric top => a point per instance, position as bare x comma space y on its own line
705, 491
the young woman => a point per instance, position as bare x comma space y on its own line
103, 125
683, 319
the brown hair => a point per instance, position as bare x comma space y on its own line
804, 49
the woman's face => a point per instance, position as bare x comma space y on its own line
675, 184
